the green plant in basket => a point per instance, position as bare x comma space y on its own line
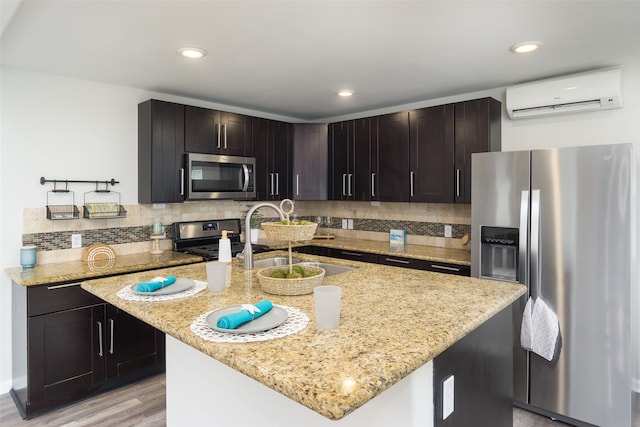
295, 222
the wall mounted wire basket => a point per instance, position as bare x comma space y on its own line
62, 211
102, 209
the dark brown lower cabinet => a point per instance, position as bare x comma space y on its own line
69, 344
396, 261
481, 365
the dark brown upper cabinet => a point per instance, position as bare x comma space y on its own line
390, 158
350, 160
160, 152
432, 154
310, 162
477, 129
216, 132
272, 148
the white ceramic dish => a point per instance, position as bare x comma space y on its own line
274, 318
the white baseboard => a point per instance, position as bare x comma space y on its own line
5, 386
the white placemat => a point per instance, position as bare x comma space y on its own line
127, 293
296, 321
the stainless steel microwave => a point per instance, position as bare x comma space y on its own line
212, 176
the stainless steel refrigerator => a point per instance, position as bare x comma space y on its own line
559, 222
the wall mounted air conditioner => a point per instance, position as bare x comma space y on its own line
600, 90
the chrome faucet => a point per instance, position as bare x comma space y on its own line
248, 251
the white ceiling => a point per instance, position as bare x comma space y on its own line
289, 58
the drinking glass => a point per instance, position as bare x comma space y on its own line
328, 221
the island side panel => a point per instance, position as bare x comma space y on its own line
203, 391
482, 366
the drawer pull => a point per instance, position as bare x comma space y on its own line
445, 267
100, 352
399, 261
112, 328
68, 285
350, 253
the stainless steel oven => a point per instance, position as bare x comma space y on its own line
212, 176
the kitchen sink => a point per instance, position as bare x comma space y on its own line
330, 269
273, 262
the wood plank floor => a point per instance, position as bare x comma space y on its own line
143, 404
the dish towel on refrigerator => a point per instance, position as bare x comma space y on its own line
540, 329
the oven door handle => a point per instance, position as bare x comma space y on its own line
245, 169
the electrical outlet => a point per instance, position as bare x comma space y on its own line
350, 224
447, 397
447, 231
76, 241
344, 223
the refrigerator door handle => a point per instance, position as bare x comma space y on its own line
522, 238
535, 244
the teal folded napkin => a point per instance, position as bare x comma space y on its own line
233, 320
155, 284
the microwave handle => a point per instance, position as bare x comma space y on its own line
245, 169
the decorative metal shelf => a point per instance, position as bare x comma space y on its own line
91, 210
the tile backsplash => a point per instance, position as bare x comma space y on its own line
424, 223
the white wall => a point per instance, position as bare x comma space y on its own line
64, 128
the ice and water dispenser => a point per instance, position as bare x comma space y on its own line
499, 253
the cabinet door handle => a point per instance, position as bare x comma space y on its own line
277, 183
445, 267
396, 260
349, 187
53, 288
412, 175
273, 186
182, 181
224, 131
100, 352
297, 184
457, 182
373, 185
344, 184
112, 331
217, 136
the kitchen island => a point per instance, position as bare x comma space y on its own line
394, 322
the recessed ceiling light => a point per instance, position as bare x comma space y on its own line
192, 52
525, 47
345, 92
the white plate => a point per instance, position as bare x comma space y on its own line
275, 317
179, 286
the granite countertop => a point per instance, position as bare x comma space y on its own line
393, 321
429, 253
57, 272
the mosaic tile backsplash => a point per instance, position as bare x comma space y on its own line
370, 222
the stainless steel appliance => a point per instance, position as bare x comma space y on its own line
559, 222
201, 237
212, 176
